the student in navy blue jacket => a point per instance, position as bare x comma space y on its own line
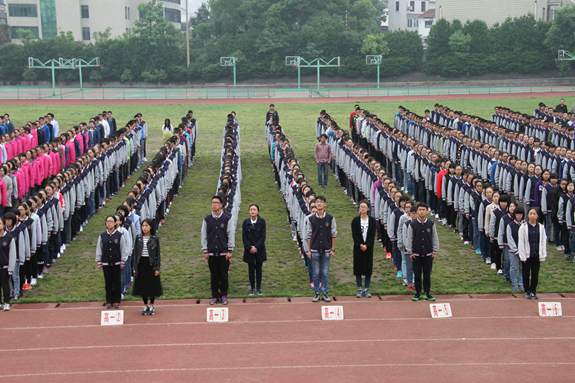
422, 244
254, 237
111, 256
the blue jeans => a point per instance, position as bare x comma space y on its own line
506, 261
476, 235
408, 272
396, 254
16, 279
367, 281
516, 269
320, 264
548, 223
322, 166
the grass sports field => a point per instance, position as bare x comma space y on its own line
184, 271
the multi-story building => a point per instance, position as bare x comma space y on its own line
404, 14
426, 21
46, 18
497, 11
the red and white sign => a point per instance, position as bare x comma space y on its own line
550, 309
217, 314
440, 310
332, 312
112, 317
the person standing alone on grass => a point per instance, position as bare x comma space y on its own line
363, 232
422, 245
321, 233
272, 114
218, 242
323, 156
254, 238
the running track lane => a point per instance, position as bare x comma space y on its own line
490, 338
303, 100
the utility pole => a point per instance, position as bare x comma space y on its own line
187, 34
346, 13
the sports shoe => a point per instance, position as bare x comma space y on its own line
494, 266
410, 288
366, 293
527, 295
145, 310
359, 293
508, 280
224, 300
213, 301
478, 251
499, 272
116, 305
388, 256
399, 274
258, 292
6, 307
311, 286
559, 248
151, 310
40, 276
26, 286
515, 288
404, 282
252, 293
316, 297
466, 242
488, 260
521, 286
416, 297
325, 298
428, 297
16, 297
34, 282
534, 296
108, 306
394, 267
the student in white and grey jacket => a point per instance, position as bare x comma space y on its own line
532, 248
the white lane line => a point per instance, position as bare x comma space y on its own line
292, 367
286, 342
276, 321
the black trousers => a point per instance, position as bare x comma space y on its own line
5, 285
422, 264
495, 254
255, 274
113, 283
219, 275
531, 269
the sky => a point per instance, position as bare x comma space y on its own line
193, 5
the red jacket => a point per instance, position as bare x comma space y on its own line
439, 183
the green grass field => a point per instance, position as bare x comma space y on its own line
185, 273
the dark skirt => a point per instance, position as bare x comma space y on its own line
146, 284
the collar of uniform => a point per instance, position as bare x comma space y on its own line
108, 231
420, 221
219, 215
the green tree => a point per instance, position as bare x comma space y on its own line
25, 36
5, 34
127, 76
561, 36
438, 46
29, 74
102, 36
374, 45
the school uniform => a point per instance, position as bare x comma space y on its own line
218, 238
254, 235
422, 242
532, 251
111, 253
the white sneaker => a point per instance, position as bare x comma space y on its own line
40, 276
294, 238
167, 210
81, 229
132, 279
494, 266
58, 255
488, 261
499, 272
437, 216
6, 307
34, 282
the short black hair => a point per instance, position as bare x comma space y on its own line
218, 198
320, 197
421, 204
324, 135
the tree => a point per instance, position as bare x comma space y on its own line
102, 36
561, 37
438, 46
374, 45
25, 36
5, 34
202, 16
29, 74
127, 76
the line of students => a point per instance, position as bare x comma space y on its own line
218, 228
129, 248
50, 215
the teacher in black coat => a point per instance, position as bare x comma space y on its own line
363, 232
254, 237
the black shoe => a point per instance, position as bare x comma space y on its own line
528, 295
428, 297
151, 310
534, 296
508, 280
145, 310
316, 297
416, 297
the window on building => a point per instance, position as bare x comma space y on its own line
48, 17
172, 1
86, 34
397, 6
85, 12
412, 5
34, 31
428, 23
127, 12
423, 6
22, 10
173, 15
410, 23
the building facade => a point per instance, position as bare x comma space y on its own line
497, 11
404, 14
46, 18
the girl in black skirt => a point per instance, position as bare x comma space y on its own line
146, 266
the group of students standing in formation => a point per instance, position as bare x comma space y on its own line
129, 249
51, 183
479, 177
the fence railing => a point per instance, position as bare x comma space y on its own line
289, 90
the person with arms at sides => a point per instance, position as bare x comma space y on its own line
321, 234
7, 263
146, 262
363, 233
218, 242
407, 264
254, 238
111, 256
272, 114
167, 130
323, 156
532, 250
422, 245
512, 240
561, 107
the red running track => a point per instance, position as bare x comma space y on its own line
303, 100
392, 339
